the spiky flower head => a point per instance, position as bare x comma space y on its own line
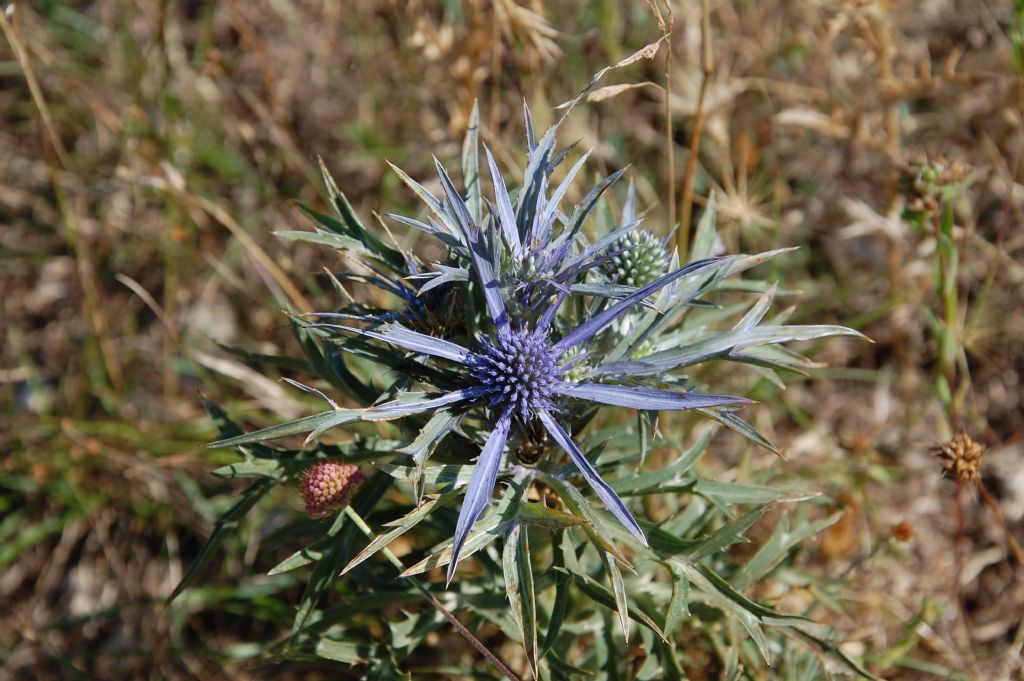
539, 345
636, 259
519, 371
328, 486
961, 457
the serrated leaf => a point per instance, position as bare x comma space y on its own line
287, 463
744, 611
339, 237
349, 652
450, 476
401, 526
777, 547
725, 345
728, 534
433, 203
447, 275
258, 468
518, 570
677, 605
650, 482
296, 427
602, 596
833, 651
619, 591
611, 500
733, 422
440, 425
486, 530
736, 493
704, 236
226, 428
335, 241
471, 166
354, 227
329, 362
668, 544
593, 526
708, 581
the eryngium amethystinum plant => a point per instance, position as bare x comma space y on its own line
504, 403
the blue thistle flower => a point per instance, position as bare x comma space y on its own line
514, 361
519, 373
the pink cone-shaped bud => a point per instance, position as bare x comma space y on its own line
328, 486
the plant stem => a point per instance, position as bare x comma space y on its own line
1011, 540
669, 137
707, 64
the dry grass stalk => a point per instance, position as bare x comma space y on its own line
707, 69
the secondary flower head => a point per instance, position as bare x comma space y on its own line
328, 486
635, 259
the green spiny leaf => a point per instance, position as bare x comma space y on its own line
401, 526
537, 514
518, 569
777, 547
296, 427
677, 607
619, 591
224, 527
602, 596
704, 237
730, 533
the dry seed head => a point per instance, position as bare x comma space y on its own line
902, 531
960, 457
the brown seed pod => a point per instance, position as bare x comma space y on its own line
961, 457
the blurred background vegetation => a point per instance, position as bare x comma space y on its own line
148, 150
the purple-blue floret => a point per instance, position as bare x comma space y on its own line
520, 372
